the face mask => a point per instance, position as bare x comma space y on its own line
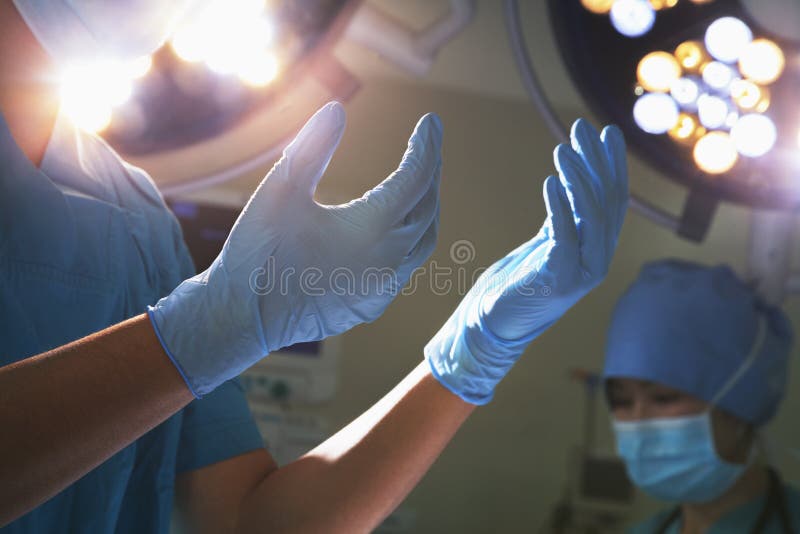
674, 458
90, 30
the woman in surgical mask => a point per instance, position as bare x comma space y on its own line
695, 366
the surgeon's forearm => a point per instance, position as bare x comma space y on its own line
65, 411
356, 478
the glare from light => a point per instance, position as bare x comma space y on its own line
754, 135
89, 91
718, 75
715, 153
746, 94
655, 113
138, 68
691, 55
190, 44
657, 71
731, 119
260, 70
762, 61
726, 38
687, 129
632, 18
685, 92
231, 38
598, 6
237, 45
712, 111
663, 4
763, 104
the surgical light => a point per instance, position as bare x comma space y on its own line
691, 55
734, 97
754, 135
685, 91
632, 18
715, 153
718, 75
658, 5
687, 129
89, 92
762, 61
259, 69
726, 38
712, 110
230, 38
746, 94
656, 113
598, 6
657, 71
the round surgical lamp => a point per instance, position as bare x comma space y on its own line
705, 93
237, 80
230, 89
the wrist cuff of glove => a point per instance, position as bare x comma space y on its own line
469, 397
151, 315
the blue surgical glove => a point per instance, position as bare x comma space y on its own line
523, 294
293, 270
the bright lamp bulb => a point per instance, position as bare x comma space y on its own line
746, 94
632, 18
655, 113
718, 75
715, 153
657, 71
712, 111
598, 6
726, 38
685, 91
754, 135
691, 55
89, 91
687, 129
762, 61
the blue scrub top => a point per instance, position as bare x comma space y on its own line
86, 241
739, 519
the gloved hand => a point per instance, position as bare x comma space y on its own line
523, 294
293, 270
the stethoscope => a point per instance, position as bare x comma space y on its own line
774, 504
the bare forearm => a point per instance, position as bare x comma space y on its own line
356, 478
68, 410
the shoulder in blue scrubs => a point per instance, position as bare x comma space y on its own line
86, 242
740, 519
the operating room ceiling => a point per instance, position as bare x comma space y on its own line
478, 60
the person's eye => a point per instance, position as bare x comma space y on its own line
617, 403
666, 398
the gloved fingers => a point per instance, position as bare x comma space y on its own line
391, 200
589, 218
586, 143
559, 211
308, 155
614, 144
427, 208
422, 250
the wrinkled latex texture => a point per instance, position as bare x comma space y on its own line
293, 270
523, 294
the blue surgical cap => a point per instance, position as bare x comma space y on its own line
693, 328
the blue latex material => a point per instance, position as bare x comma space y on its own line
523, 294
293, 270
